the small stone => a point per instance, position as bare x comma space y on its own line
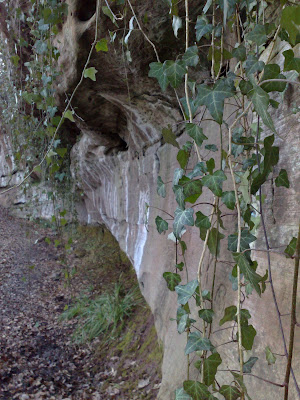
143, 383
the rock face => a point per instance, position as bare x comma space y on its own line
116, 163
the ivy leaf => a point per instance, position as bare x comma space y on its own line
272, 71
248, 365
228, 199
199, 169
161, 188
182, 323
248, 335
157, 71
282, 179
175, 70
172, 280
213, 243
183, 158
260, 101
179, 196
69, 115
290, 21
178, 174
211, 147
90, 73
161, 224
196, 342
197, 390
214, 182
270, 357
240, 53
206, 314
202, 27
210, 165
291, 63
291, 248
182, 218
192, 190
101, 45
213, 98
196, 133
252, 277
185, 292
230, 392
202, 222
180, 394
169, 136
210, 367
229, 315
246, 239
191, 57
253, 65
257, 35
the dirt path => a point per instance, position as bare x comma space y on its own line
38, 360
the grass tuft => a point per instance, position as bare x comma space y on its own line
104, 315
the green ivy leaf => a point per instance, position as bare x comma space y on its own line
180, 394
270, 357
172, 280
257, 35
191, 57
199, 169
291, 248
229, 315
248, 365
272, 71
260, 101
230, 392
175, 70
228, 199
192, 190
210, 367
182, 218
210, 164
69, 115
182, 323
178, 174
161, 224
213, 243
282, 179
290, 21
183, 158
214, 182
248, 335
90, 73
240, 53
291, 63
161, 188
169, 136
101, 45
253, 65
185, 292
196, 133
206, 314
202, 222
157, 71
246, 239
213, 98
211, 147
197, 390
179, 196
202, 27
252, 277
196, 342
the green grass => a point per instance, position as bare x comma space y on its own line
105, 315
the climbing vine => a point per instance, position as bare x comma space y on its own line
244, 84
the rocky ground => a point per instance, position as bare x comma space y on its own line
38, 359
